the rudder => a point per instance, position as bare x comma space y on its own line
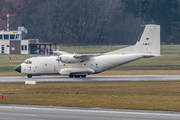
149, 43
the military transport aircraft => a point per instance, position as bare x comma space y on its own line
80, 65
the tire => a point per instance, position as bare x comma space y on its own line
29, 75
83, 76
71, 76
77, 76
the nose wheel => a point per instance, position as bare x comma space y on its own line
29, 75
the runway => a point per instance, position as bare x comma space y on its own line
31, 112
15, 79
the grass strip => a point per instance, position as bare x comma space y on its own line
149, 95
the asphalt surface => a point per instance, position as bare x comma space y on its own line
30, 112
15, 79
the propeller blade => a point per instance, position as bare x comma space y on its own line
58, 59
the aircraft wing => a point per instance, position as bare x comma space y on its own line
74, 58
85, 56
61, 53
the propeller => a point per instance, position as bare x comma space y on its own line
58, 59
58, 54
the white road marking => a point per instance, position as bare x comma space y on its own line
18, 114
92, 111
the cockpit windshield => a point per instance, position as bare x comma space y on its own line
27, 62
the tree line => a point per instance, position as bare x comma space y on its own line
92, 22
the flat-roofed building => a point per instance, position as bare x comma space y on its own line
13, 42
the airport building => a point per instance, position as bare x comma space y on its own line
13, 42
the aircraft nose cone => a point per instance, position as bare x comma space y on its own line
18, 68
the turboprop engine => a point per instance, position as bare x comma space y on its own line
70, 59
75, 58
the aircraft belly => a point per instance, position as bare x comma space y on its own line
68, 71
111, 61
129, 58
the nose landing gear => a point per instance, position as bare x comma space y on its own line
29, 75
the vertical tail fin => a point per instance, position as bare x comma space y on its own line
149, 42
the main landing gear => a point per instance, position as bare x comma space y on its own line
29, 75
77, 76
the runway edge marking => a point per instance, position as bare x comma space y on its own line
92, 111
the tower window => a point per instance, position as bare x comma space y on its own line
12, 36
17, 36
6, 36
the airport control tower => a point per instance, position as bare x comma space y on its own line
13, 42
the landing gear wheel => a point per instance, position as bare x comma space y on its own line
77, 76
83, 76
29, 75
71, 76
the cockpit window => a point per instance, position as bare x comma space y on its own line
27, 62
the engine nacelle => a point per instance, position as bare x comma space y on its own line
69, 59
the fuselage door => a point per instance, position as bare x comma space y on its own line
36, 69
